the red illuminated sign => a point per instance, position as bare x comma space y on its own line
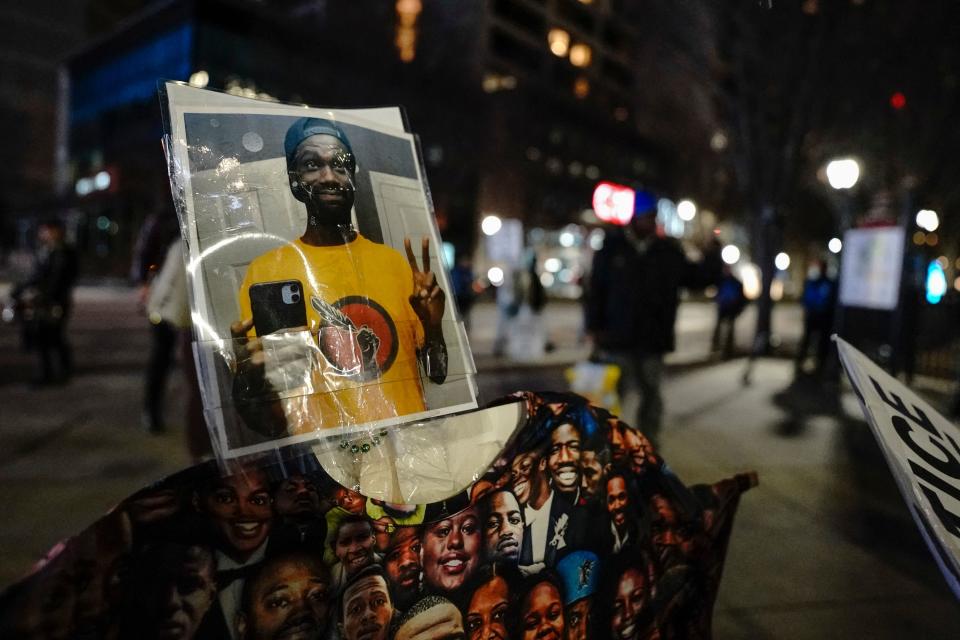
613, 202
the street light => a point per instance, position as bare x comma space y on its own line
686, 210
928, 220
730, 254
782, 261
843, 173
835, 245
491, 225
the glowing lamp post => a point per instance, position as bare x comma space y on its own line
843, 173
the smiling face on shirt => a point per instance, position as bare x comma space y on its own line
451, 550
564, 458
618, 501
239, 507
354, 545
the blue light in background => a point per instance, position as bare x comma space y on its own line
132, 77
936, 282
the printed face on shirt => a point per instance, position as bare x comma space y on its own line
564, 458
502, 527
630, 600
367, 610
578, 619
354, 546
618, 444
451, 550
522, 473
541, 613
296, 496
179, 591
488, 610
591, 473
351, 501
638, 448
617, 501
239, 506
322, 166
402, 561
289, 599
664, 509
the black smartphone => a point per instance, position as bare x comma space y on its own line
277, 305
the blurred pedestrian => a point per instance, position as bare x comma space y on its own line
731, 302
44, 301
162, 305
632, 303
507, 308
819, 302
528, 340
168, 309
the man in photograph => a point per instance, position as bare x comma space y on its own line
375, 314
288, 596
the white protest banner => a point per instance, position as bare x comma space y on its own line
921, 447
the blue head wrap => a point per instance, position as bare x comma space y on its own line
303, 128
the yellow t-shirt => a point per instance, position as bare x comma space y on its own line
358, 309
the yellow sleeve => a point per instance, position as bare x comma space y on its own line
246, 312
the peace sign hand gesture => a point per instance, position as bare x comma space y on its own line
428, 298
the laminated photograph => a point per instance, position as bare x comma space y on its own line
320, 302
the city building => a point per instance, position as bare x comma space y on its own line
521, 105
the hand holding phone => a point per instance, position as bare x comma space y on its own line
277, 306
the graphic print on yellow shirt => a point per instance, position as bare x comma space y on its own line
366, 332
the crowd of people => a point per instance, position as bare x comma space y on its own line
577, 530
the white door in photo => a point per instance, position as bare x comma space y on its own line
402, 210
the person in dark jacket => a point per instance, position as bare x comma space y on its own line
819, 304
632, 301
45, 300
731, 301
